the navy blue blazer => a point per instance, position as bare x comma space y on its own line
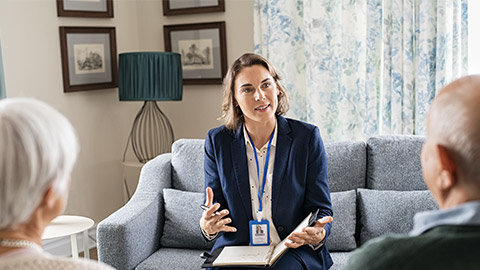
299, 183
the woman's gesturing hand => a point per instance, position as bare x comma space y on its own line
309, 235
213, 222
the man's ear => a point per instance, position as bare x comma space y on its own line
448, 168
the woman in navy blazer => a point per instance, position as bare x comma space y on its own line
254, 101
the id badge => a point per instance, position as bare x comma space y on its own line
259, 232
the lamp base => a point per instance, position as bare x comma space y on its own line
151, 133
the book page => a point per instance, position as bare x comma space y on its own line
243, 255
281, 248
255, 255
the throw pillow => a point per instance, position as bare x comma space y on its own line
388, 211
182, 216
342, 235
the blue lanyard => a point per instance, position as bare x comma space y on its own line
260, 192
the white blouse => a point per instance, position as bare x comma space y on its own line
255, 183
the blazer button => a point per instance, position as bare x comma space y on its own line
280, 228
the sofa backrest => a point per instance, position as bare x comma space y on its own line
347, 162
393, 163
386, 163
346, 165
187, 165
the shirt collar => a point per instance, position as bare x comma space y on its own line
274, 140
464, 214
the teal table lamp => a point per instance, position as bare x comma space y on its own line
148, 77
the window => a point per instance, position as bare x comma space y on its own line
473, 37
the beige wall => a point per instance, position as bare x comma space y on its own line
200, 106
31, 55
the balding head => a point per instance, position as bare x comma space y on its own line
454, 122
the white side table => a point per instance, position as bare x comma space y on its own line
70, 225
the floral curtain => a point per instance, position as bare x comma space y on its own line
362, 68
2, 77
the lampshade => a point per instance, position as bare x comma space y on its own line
146, 76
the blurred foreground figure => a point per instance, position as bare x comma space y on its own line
448, 238
38, 148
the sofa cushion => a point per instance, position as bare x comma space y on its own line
173, 259
342, 235
394, 163
388, 211
339, 260
187, 165
182, 215
347, 162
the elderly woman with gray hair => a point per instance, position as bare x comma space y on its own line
38, 149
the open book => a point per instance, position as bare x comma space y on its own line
257, 255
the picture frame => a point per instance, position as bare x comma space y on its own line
203, 50
85, 8
181, 7
89, 58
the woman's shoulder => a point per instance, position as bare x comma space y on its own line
65, 263
217, 130
48, 262
80, 264
221, 131
299, 126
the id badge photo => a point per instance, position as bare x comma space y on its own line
259, 232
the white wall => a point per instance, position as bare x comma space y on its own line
32, 63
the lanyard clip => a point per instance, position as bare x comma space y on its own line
259, 216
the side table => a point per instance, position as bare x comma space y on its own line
66, 225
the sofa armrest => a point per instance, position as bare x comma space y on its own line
132, 233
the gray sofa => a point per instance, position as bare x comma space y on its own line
376, 188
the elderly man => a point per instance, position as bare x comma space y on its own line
448, 238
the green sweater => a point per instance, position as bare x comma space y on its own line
443, 247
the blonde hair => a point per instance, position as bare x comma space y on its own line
232, 115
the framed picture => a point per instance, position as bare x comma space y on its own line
180, 7
89, 58
85, 8
203, 50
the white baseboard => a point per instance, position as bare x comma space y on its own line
63, 248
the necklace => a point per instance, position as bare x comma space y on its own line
16, 243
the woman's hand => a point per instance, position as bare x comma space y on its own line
309, 235
213, 222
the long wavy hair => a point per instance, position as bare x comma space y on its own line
232, 115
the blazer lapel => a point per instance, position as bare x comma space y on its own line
282, 152
240, 167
